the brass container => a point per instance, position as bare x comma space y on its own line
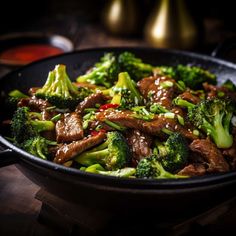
170, 25
120, 17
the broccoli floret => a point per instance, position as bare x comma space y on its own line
173, 154
103, 73
124, 172
134, 66
151, 168
60, 91
113, 154
25, 127
15, 96
192, 76
229, 85
38, 146
183, 103
156, 108
214, 116
125, 93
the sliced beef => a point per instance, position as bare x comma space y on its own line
68, 151
188, 96
48, 114
35, 104
231, 152
210, 153
38, 105
91, 101
152, 88
140, 143
214, 90
194, 169
69, 128
178, 111
153, 127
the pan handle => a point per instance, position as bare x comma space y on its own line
7, 157
225, 49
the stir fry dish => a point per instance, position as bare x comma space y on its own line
127, 118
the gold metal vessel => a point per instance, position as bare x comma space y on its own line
120, 17
170, 25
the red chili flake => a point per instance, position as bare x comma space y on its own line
107, 106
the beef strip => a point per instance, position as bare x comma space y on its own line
34, 103
48, 114
195, 169
230, 154
213, 91
140, 143
68, 151
153, 127
69, 128
91, 101
188, 96
38, 105
159, 94
210, 153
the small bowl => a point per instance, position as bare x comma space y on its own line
19, 49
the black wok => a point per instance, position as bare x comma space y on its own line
174, 197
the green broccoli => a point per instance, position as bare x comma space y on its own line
16, 95
37, 146
134, 66
121, 173
13, 98
125, 93
113, 154
60, 91
229, 85
156, 108
213, 116
151, 168
183, 103
173, 154
25, 127
103, 73
192, 76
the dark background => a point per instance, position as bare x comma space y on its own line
31, 15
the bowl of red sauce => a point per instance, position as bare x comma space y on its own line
23, 48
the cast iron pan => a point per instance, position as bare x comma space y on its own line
173, 198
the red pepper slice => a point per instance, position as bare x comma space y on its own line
95, 132
107, 106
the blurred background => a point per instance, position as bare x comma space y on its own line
192, 25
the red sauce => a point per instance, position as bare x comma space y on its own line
107, 106
25, 54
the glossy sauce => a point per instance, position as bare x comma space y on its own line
25, 54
